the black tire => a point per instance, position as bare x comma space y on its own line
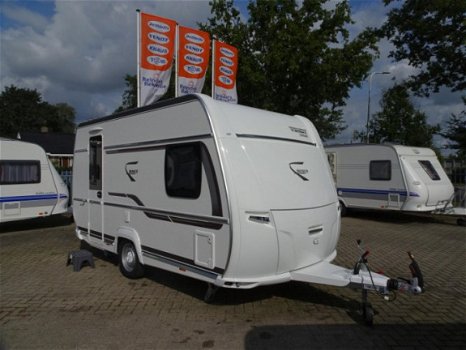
129, 262
343, 210
461, 222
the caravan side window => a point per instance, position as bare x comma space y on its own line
429, 169
183, 170
15, 172
95, 163
380, 170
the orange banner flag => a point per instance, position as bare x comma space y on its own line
193, 59
224, 72
157, 47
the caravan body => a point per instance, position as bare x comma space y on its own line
390, 177
30, 186
235, 196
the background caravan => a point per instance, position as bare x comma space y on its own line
30, 186
230, 195
390, 177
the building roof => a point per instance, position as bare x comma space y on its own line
52, 143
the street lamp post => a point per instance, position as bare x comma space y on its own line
369, 102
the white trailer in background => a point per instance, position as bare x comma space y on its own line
389, 177
230, 195
30, 187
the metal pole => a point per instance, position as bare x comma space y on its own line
212, 93
177, 51
369, 102
138, 72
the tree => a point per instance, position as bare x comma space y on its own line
399, 121
295, 59
64, 120
129, 98
24, 110
429, 34
456, 132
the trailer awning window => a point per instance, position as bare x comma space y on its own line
380, 170
183, 167
15, 172
429, 169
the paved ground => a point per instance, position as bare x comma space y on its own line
45, 305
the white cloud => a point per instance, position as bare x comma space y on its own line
438, 107
84, 50
24, 17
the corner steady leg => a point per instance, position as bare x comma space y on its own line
367, 310
210, 293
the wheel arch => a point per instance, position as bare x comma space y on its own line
130, 234
343, 206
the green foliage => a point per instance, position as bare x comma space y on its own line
24, 110
129, 98
295, 59
63, 119
456, 132
399, 121
430, 35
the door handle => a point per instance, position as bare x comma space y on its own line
99, 194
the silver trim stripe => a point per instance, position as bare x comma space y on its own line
264, 137
149, 145
173, 215
177, 264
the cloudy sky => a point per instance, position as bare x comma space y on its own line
78, 52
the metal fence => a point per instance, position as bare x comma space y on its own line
459, 198
67, 176
456, 171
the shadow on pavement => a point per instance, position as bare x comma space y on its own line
297, 291
38, 223
381, 336
225, 296
396, 217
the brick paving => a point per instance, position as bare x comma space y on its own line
45, 305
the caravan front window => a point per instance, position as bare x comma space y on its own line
183, 170
380, 170
15, 172
429, 169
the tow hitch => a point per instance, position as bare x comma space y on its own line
415, 285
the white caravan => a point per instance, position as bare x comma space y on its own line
231, 195
389, 177
30, 187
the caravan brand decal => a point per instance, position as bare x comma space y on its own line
299, 171
131, 170
301, 132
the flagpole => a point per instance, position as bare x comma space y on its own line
213, 67
177, 52
138, 78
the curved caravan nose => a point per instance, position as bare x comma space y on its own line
62, 192
306, 236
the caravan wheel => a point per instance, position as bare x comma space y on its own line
129, 262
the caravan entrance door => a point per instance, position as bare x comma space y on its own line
95, 189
